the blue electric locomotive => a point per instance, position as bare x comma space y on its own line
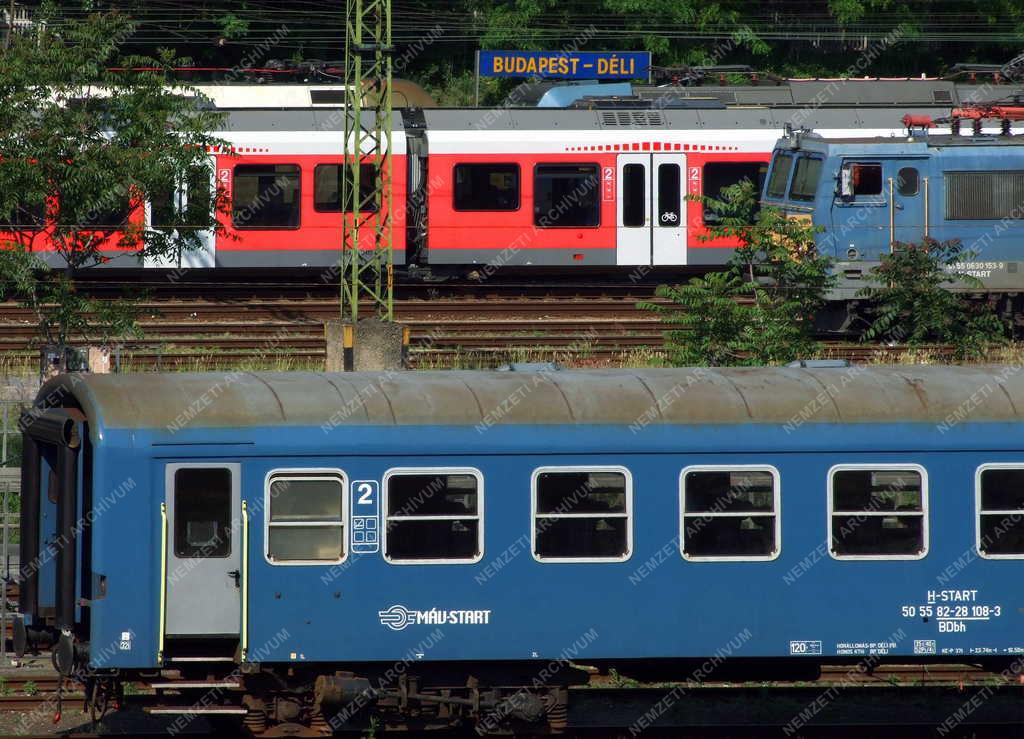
867, 194
310, 548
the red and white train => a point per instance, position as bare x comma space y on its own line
535, 187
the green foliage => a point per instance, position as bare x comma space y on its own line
83, 146
914, 303
761, 309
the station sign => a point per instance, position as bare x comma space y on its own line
578, 65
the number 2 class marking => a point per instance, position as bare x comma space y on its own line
365, 534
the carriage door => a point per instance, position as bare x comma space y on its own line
906, 201
203, 577
651, 230
668, 227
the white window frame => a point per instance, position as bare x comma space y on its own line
437, 471
978, 511
314, 473
628, 515
776, 510
925, 529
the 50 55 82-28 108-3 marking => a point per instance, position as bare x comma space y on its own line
952, 609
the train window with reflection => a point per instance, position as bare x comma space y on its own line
1000, 497
720, 175
202, 512
805, 179
566, 195
266, 196
582, 514
780, 175
306, 517
486, 187
433, 516
327, 183
878, 512
729, 513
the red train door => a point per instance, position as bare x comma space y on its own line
651, 225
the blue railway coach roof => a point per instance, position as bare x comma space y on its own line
695, 396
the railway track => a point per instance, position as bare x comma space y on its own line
446, 330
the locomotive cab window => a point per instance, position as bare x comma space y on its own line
202, 512
860, 180
779, 178
582, 515
720, 175
327, 186
266, 196
306, 517
566, 196
433, 516
729, 513
878, 512
486, 187
1000, 498
805, 179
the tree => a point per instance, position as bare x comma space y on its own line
84, 144
913, 302
761, 309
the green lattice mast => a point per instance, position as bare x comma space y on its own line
368, 273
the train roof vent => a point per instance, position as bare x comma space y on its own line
942, 96
631, 118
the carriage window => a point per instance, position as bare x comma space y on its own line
486, 187
327, 181
634, 189
202, 512
720, 175
433, 516
669, 195
266, 196
878, 512
24, 217
566, 195
907, 181
805, 179
1001, 511
780, 175
729, 514
306, 517
582, 515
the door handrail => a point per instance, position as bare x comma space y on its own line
245, 582
163, 583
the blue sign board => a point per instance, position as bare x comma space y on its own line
577, 65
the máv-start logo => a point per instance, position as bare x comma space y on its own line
397, 617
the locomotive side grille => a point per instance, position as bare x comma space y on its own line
942, 96
972, 196
631, 118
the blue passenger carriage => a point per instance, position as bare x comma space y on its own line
322, 547
868, 193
